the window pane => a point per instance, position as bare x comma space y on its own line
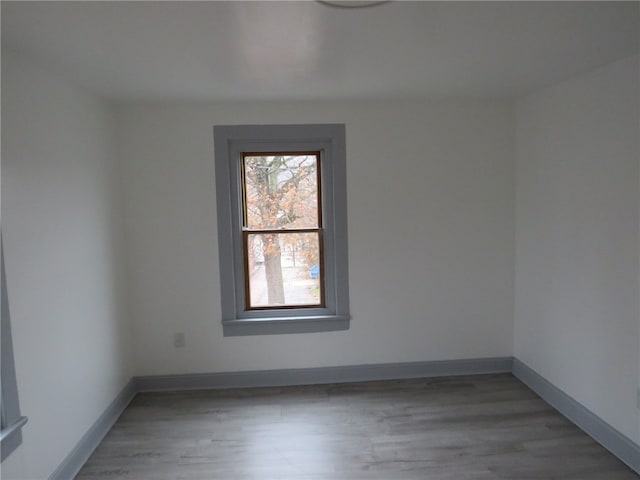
281, 191
284, 269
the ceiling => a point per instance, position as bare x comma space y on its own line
229, 51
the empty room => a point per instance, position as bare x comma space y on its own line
304, 240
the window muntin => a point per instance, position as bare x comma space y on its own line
282, 230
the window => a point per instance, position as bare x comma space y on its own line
11, 422
282, 238
282, 228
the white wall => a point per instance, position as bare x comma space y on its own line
62, 229
431, 234
576, 312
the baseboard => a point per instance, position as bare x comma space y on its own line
72, 464
323, 375
610, 438
621, 446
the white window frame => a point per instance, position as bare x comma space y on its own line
230, 142
11, 422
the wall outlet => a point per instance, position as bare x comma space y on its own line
178, 340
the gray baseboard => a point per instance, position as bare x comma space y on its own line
607, 436
310, 376
72, 464
618, 444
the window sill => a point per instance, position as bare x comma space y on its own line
11, 437
284, 325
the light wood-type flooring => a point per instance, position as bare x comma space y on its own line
455, 428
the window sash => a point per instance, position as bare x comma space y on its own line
246, 231
247, 284
287, 153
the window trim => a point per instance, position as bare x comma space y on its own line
11, 422
229, 144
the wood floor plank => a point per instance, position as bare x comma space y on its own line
487, 427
